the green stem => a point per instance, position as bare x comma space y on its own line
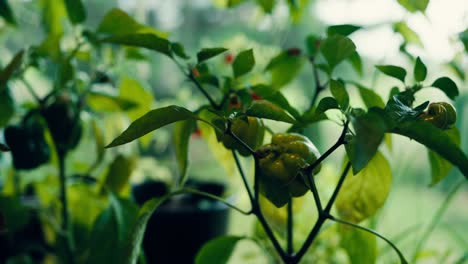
64, 201
435, 220
203, 91
290, 228
315, 193
318, 86
214, 197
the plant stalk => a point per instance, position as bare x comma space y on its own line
65, 226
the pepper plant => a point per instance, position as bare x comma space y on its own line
238, 110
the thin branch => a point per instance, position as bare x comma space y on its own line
214, 197
315, 193
244, 178
290, 228
318, 86
400, 255
337, 188
31, 90
203, 91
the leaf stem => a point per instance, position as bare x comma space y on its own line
214, 197
290, 228
318, 87
203, 91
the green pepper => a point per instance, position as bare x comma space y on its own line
251, 131
442, 115
280, 163
27, 143
63, 119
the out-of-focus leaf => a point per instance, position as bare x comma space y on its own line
142, 40
54, 16
448, 86
436, 140
365, 193
269, 110
111, 232
117, 22
344, 29
464, 38
267, 5
7, 107
133, 90
182, 132
313, 45
457, 69
119, 173
393, 71
337, 48
108, 103
15, 214
420, 70
338, 90
179, 50
231, 3
4, 148
409, 36
325, 104
360, 246
243, 63
6, 13
414, 5
151, 121
10, 69
76, 11
284, 68
208, 53
217, 250
356, 62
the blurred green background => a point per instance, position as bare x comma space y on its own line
205, 23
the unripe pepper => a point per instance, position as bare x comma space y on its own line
442, 115
251, 131
280, 163
27, 144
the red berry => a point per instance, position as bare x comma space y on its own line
255, 96
228, 58
294, 51
195, 72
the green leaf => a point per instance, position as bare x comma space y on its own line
142, 40
7, 107
53, 14
369, 131
409, 36
108, 103
217, 250
269, 110
312, 44
365, 193
369, 97
231, 3
284, 68
119, 173
344, 29
151, 121
276, 97
464, 38
243, 63
436, 140
325, 104
360, 246
267, 5
111, 231
6, 13
10, 69
414, 5
356, 62
76, 11
15, 214
338, 91
393, 71
209, 53
179, 50
117, 22
420, 70
448, 86
337, 48
182, 132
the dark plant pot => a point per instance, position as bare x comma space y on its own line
183, 224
